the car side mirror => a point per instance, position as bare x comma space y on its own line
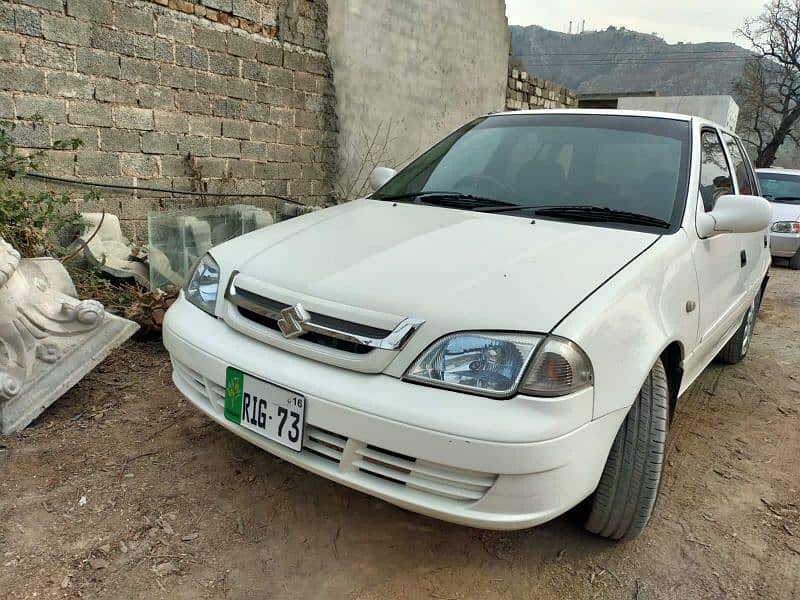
735, 214
379, 177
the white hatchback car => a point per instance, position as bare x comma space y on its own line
502, 330
782, 188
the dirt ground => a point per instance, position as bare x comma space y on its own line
123, 490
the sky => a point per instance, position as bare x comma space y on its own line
675, 21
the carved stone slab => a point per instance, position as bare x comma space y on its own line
48, 338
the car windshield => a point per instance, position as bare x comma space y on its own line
783, 188
634, 164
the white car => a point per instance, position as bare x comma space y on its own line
782, 188
502, 330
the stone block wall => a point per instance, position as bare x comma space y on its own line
231, 96
525, 92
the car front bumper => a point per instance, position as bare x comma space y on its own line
784, 245
486, 483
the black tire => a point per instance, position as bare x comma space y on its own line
624, 500
736, 348
794, 262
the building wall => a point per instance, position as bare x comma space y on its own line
218, 95
720, 109
409, 71
525, 92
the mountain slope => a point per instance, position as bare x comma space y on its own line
619, 60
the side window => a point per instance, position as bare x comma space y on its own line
715, 175
740, 166
750, 171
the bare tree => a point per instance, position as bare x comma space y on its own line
364, 154
769, 87
769, 96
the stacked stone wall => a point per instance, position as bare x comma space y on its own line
526, 92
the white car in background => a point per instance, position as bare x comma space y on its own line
782, 188
502, 330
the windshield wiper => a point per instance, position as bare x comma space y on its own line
786, 199
600, 213
450, 199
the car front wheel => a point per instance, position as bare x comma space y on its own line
736, 348
624, 500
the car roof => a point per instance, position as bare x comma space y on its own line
616, 112
779, 170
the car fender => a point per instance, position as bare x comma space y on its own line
628, 322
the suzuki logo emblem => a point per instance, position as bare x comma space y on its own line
292, 319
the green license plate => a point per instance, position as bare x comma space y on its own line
268, 410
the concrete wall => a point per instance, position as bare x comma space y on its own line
526, 92
720, 109
409, 71
230, 96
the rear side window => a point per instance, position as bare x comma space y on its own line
740, 167
715, 174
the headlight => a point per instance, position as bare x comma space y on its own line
786, 227
559, 368
203, 285
485, 363
496, 364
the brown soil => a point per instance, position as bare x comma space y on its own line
175, 507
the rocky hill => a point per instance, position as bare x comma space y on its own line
620, 60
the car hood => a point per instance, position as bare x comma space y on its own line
785, 212
460, 269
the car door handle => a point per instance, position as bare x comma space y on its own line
743, 257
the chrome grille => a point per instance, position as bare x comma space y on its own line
325, 330
315, 338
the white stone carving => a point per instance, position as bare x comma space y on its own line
107, 248
48, 338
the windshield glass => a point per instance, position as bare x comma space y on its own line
780, 187
634, 164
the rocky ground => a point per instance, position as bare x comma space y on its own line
123, 490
